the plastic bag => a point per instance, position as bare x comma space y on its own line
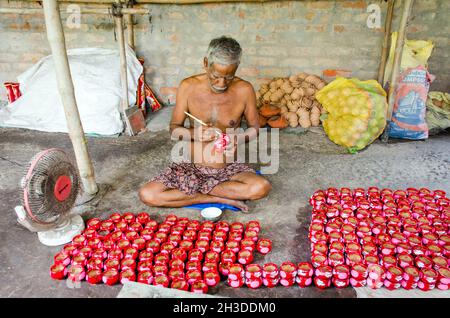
438, 111
356, 112
415, 53
408, 116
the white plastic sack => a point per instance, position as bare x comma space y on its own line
96, 78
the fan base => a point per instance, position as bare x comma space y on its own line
63, 234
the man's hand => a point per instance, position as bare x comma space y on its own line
206, 133
231, 148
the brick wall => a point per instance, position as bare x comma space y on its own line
278, 38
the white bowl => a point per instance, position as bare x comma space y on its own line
211, 214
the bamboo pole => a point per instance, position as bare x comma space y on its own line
130, 30
118, 19
387, 35
82, 10
166, 1
397, 65
56, 40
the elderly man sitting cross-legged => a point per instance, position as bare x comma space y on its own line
219, 99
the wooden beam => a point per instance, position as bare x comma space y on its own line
397, 64
165, 1
57, 43
387, 36
82, 10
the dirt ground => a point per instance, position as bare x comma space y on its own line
308, 161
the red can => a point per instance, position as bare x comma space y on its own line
443, 276
340, 283
79, 241
224, 268
207, 226
131, 252
127, 275
336, 258
153, 246
107, 226
161, 280
139, 244
322, 283
212, 256
217, 246
193, 275
128, 263
95, 263
371, 259
376, 272
161, 259
423, 262
405, 260
111, 276
369, 248
388, 249
253, 226
305, 269
123, 244
425, 286
145, 277
353, 259
204, 235
388, 261
394, 274
254, 283
223, 226
199, 287
135, 227
341, 272
411, 274
236, 272
288, 270
270, 270
320, 248
161, 237
160, 269
93, 224
359, 271
211, 278
144, 266
303, 281
287, 282
175, 273
167, 248
58, 271
228, 256
264, 246
151, 225
62, 258
145, 256
245, 257
193, 225
222, 236
171, 219
76, 273
112, 263
79, 259
319, 260
428, 275
324, 271
352, 248
358, 282
233, 246
440, 262
186, 245
94, 276
128, 217
253, 271
191, 265
271, 282
210, 267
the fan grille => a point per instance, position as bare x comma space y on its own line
39, 183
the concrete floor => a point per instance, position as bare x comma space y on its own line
308, 161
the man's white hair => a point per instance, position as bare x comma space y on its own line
224, 51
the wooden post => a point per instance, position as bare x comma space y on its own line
130, 30
118, 19
397, 65
387, 36
56, 39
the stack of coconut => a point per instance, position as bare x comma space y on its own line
290, 101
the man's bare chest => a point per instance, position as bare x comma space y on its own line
221, 110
